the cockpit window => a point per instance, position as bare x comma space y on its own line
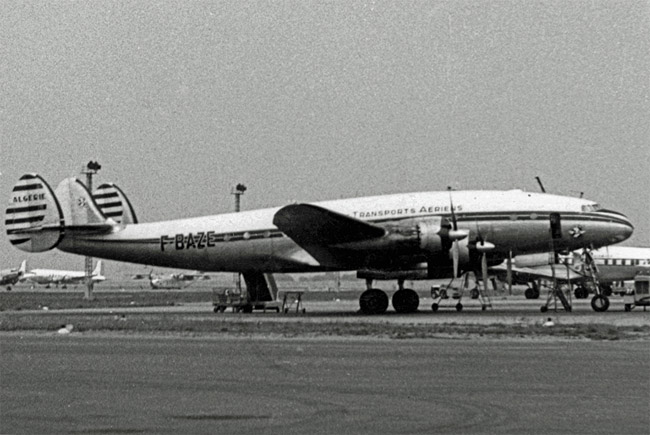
591, 207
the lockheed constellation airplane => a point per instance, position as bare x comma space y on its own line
400, 236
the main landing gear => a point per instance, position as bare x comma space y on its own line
375, 301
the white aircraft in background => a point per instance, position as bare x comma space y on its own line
10, 277
47, 277
174, 281
422, 235
612, 264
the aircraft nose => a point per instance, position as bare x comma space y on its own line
620, 227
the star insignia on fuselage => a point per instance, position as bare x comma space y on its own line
576, 232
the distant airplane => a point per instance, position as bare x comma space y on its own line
47, 277
409, 236
10, 277
613, 264
173, 281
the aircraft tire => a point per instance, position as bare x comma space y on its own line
606, 290
531, 293
405, 301
373, 301
434, 307
543, 308
247, 308
459, 307
628, 307
474, 294
600, 303
8, 288
581, 292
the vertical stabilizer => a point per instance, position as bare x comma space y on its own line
114, 204
33, 219
99, 269
79, 207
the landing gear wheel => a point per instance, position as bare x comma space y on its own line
531, 293
600, 303
474, 294
247, 309
434, 307
628, 307
581, 293
606, 290
373, 301
543, 309
459, 307
406, 301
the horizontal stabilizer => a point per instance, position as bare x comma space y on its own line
308, 224
34, 218
114, 204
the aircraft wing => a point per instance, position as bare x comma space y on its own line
540, 272
318, 230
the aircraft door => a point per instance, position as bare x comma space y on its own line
556, 226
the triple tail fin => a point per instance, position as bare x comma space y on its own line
38, 218
114, 204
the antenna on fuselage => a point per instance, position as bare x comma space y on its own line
541, 186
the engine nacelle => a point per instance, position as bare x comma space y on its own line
534, 260
406, 236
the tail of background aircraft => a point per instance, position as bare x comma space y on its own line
99, 269
37, 218
98, 273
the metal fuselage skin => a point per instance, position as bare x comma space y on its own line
514, 221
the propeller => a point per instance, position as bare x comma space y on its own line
455, 235
483, 247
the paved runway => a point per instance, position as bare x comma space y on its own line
103, 383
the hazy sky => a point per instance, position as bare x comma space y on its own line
311, 101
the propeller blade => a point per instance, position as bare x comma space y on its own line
509, 272
453, 214
454, 257
484, 270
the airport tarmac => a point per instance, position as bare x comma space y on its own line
512, 310
107, 383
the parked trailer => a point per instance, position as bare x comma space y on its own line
640, 295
